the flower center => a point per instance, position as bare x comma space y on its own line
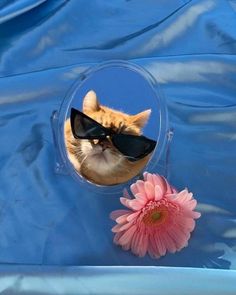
155, 216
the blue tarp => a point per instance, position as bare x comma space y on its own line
49, 219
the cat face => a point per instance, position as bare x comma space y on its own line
102, 155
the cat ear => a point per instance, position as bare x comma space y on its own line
141, 118
90, 103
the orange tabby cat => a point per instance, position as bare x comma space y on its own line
100, 162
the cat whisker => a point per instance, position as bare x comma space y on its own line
79, 153
84, 159
121, 155
127, 157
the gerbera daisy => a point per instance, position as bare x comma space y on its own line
158, 219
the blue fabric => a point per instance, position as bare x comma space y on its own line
101, 280
49, 219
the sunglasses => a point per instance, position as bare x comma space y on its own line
132, 146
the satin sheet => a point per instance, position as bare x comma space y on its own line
49, 219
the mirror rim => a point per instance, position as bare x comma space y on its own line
66, 105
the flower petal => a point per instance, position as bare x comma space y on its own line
183, 196
116, 228
117, 237
168, 242
158, 180
162, 182
187, 224
158, 193
133, 242
141, 188
135, 205
191, 204
126, 194
117, 213
122, 219
172, 197
143, 245
141, 198
179, 239
125, 202
190, 213
136, 242
125, 226
152, 248
150, 178
160, 245
169, 189
127, 245
133, 216
134, 188
150, 192
127, 236
145, 175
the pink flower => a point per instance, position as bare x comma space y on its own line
158, 219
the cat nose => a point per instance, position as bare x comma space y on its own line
104, 144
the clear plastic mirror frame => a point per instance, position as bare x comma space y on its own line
63, 164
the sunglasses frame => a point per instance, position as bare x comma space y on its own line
74, 112
108, 133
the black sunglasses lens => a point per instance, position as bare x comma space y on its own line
134, 147
84, 127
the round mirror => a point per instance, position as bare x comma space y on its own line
113, 125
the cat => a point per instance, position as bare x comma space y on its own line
100, 162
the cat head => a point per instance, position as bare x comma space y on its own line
102, 155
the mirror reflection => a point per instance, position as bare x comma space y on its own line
106, 146
112, 124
